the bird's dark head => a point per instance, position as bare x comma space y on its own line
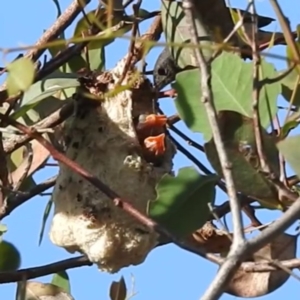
165, 70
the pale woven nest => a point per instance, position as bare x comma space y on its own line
103, 140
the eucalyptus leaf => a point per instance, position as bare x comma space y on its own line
291, 88
45, 218
239, 141
3, 229
290, 52
118, 290
89, 19
10, 257
44, 89
61, 279
289, 148
96, 58
20, 75
232, 88
182, 201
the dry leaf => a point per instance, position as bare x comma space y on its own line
210, 238
254, 284
40, 155
35, 290
118, 290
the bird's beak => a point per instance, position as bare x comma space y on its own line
153, 121
156, 144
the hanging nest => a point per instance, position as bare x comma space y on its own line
121, 140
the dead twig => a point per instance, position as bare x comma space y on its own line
135, 27
140, 46
4, 178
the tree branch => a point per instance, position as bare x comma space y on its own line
51, 121
25, 274
14, 202
59, 26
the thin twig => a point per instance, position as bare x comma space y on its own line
4, 178
232, 261
190, 156
288, 34
152, 34
207, 99
135, 27
190, 141
256, 87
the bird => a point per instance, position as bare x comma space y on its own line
150, 130
166, 68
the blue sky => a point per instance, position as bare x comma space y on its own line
168, 272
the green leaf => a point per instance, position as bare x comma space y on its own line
142, 13
230, 92
289, 51
96, 58
118, 290
10, 257
61, 279
239, 141
44, 89
176, 29
85, 22
182, 201
3, 229
287, 127
289, 148
45, 218
291, 88
20, 75
236, 16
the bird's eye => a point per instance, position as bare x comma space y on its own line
161, 72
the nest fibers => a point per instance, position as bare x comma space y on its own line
102, 138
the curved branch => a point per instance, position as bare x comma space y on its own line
22, 198
51, 121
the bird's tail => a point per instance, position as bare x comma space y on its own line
270, 38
